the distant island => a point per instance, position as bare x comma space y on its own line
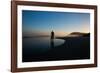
80, 34
75, 34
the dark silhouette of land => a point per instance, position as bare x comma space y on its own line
72, 49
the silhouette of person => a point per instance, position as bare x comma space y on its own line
52, 39
52, 35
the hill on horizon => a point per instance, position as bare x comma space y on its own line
79, 34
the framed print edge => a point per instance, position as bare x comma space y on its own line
14, 65
13, 37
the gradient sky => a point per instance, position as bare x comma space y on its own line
62, 23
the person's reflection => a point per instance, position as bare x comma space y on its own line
52, 40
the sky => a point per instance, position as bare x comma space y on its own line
36, 23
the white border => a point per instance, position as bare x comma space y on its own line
52, 63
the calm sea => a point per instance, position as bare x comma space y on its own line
40, 44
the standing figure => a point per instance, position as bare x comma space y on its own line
52, 35
52, 40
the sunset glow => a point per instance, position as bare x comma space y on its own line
62, 23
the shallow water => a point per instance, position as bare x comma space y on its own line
44, 49
41, 43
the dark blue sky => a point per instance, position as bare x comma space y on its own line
43, 22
